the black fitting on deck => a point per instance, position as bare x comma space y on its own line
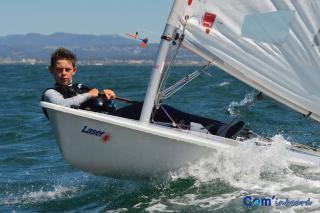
307, 115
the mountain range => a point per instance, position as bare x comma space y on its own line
36, 48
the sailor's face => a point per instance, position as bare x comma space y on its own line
63, 72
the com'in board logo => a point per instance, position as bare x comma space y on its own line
257, 201
274, 201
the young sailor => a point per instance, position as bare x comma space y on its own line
75, 95
65, 92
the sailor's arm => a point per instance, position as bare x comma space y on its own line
55, 97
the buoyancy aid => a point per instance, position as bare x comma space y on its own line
94, 104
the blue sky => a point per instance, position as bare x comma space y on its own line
84, 16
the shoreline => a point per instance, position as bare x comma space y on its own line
110, 63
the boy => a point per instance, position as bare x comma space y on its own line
65, 92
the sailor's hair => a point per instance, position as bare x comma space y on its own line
63, 53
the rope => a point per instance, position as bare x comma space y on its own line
181, 83
165, 77
173, 122
166, 73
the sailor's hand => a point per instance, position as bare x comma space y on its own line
110, 95
94, 93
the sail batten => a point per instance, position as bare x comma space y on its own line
272, 45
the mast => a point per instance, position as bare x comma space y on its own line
159, 65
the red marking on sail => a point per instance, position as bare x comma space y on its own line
189, 2
208, 19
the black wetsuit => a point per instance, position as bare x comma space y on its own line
73, 90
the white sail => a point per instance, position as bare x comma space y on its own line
272, 45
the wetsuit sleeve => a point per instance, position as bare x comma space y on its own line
55, 97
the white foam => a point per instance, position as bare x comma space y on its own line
225, 83
40, 196
156, 206
217, 202
117, 210
57, 192
251, 169
235, 108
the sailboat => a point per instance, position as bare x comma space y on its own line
271, 45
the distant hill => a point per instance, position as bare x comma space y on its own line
38, 47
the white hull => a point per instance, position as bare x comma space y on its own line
135, 149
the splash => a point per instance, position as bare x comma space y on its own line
243, 164
235, 108
58, 192
250, 170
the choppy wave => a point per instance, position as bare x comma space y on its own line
34, 176
251, 170
39, 196
237, 108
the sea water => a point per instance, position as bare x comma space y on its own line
34, 177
